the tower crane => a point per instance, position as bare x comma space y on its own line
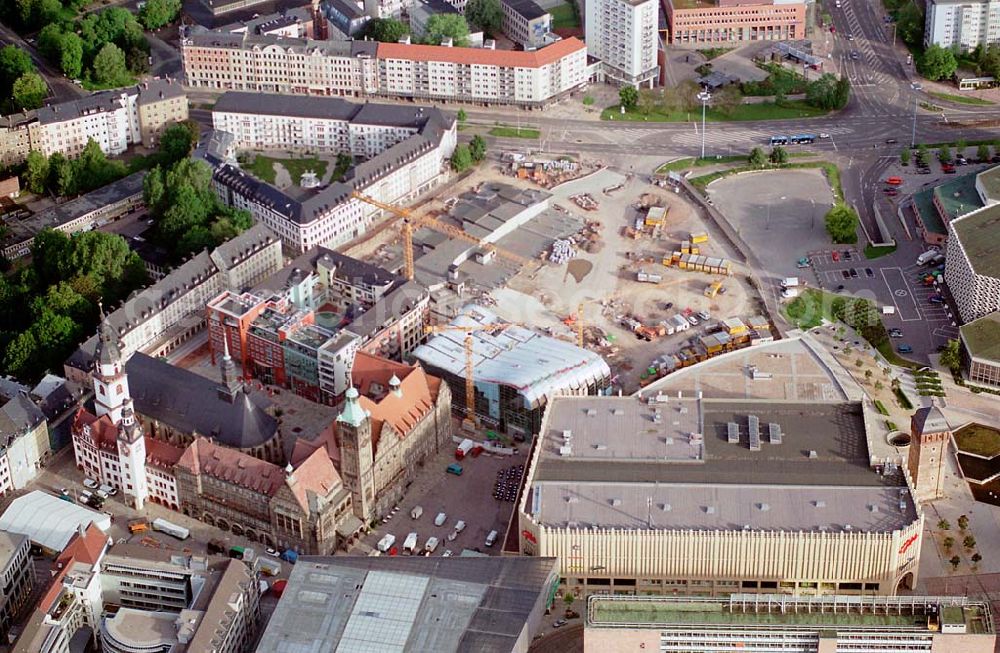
470, 422
410, 220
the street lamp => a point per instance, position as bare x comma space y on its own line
705, 98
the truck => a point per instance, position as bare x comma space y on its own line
386, 542
463, 449
790, 282
432, 544
170, 528
410, 543
269, 566
290, 556
416, 512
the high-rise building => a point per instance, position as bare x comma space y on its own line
962, 23
972, 262
623, 35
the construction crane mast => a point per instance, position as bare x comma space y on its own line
470, 422
409, 220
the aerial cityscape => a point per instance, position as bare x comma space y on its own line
487, 326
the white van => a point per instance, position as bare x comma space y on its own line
84, 496
416, 512
491, 539
386, 542
431, 546
440, 519
410, 543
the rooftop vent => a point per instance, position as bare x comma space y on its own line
591, 412
813, 454
873, 508
618, 412
572, 499
600, 447
848, 527
616, 502
819, 504
763, 507
665, 507
709, 510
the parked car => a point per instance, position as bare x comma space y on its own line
455, 469
936, 299
836, 256
904, 349
870, 273
847, 255
559, 623
846, 274
91, 484
440, 519
854, 273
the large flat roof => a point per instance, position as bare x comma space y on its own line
979, 234
982, 336
743, 611
349, 604
49, 521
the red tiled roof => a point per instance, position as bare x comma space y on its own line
87, 548
104, 435
328, 438
368, 369
162, 454
419, 393
205, 457
315, 474
481, 56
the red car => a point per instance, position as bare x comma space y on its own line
836, 256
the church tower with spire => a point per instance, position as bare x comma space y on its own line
110, 380
354, 425
232, 384
132, 456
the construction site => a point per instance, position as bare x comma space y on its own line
610, 262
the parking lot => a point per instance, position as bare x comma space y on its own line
889, 282
468, 497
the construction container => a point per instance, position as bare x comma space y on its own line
648, 277
734, 326
656, 216
699, 237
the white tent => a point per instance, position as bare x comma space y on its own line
48, 521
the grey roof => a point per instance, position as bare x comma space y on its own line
432, 7
393, 305
386, 604
430, 124
527, 9
266, 22
333, 48
17, 417
197, 270
929, 419
10, 543
355, 270
151, 91
118, 191
108, 352
191, 403
215, 148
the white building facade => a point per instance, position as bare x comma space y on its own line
623, 35
962, 24
972, 263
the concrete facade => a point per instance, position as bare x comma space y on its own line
962, 23
623, 35
696, 23
972, 263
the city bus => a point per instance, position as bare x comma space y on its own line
803, 139
779, 140
169, 528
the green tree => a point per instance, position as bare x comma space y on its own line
157, 13
50, 42
922, 154
727, 99
29, 91
477, 148
904, 156
48, 251
943, 524
20, 354
588, 100
779, 156
568, 598
944, 154
859, 363
976, 558
442, 26
969, 542
824, 92
937, 63
153, 189
963, 522
177, 141
989, 61
983, 152
869, 374
109, 66
628, 96
757, 158
951, 357
842, 224
63, 299
948, 542
462, 116
461, 159
910, 23
14, 62
36, 172
71, 56
386, 30
64, 176
485, 14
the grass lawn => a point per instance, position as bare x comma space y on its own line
564, 17
684, 164
263, 167
979, 440
962, 99
832, 174
94, 86
890, 355
744, 112
810, 308
514, 132
876, 252
712, 53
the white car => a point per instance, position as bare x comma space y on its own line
447, 553
459, 526
91, 484
440, 519
824, 135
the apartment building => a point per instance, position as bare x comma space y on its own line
405, 151
17, 573
269, 64
275, 64
698, 23
114, 119
526, 23
24, 442
623, 35
962, 23
972, 262
168, 313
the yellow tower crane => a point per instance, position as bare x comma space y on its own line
470, 422
409, 220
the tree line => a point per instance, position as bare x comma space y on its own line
485, 15
21, 87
